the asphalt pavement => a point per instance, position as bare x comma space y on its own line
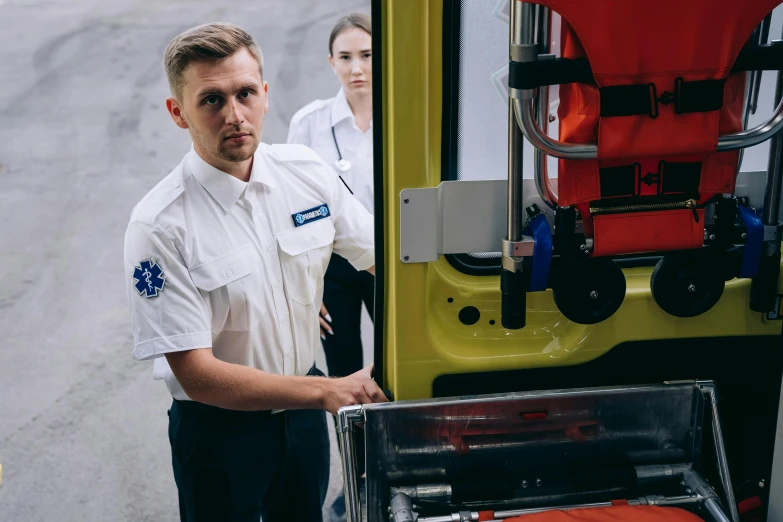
84, 134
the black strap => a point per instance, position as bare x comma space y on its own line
619, 181
698, 96
680, 178
768, 57
561, 71
671, 178
554, 71
640, 99
629, 100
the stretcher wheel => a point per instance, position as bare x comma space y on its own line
589, 291
687, 286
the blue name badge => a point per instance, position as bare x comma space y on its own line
308, 216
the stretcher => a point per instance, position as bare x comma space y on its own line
601, 344
599, 454
651, 125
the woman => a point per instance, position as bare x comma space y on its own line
340, 131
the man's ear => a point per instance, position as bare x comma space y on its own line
172, 105
266, 97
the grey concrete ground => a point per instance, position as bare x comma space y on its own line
83, 135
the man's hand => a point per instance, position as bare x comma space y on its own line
357, 388
325, 320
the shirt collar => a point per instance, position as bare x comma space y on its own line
222, 186
225, 188
262, 167
340, 108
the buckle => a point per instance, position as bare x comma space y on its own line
650, 179
666, 98
639, 99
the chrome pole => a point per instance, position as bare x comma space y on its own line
543, 184
754, 136
521, 34
763, 290
526, 119
772, 194
512, 281
723, 463
713, 508
347, 418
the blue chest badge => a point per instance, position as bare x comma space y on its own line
313, 214
148, 278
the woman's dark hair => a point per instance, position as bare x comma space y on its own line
360, 20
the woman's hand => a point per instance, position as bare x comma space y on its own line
325, 320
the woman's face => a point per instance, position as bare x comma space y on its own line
351, 60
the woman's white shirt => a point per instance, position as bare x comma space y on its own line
312, 126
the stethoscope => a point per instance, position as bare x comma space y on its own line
342, 164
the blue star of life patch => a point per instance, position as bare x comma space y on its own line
149, 278
313, 214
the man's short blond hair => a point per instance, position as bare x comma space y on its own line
213, 41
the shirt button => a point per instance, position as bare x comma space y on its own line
269, 247
176, 184
229, 273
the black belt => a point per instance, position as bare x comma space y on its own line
687, 97
670, 178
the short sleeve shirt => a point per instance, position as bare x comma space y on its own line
329, 128
214, 262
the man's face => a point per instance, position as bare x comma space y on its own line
222, 104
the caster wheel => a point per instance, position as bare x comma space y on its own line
588, 292
687, 286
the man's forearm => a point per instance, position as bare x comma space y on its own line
231, 386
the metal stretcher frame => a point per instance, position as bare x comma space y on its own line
603, 412
528, 114
531, 111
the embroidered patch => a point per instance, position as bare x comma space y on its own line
149, 278
308, 216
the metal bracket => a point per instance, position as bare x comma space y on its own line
514, 252
523, 248
457, 217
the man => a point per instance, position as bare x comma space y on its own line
225, 260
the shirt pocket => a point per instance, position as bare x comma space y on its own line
304, 256
232, 282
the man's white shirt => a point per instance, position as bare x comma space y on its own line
212, 261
